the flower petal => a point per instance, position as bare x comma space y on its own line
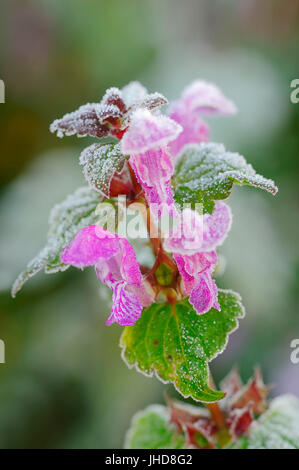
148, 131
129, 264
216, 226
206, 98
126, 307
195, 130
187, 236
204, 295
190, 267
153, 170
89, 245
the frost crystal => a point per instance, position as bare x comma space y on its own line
65, 221
100, 163
277, 428
133, 92
84, 121
116, 265
111, 115
206, 172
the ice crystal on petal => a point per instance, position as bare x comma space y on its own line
116, 265
187, 236
126, 307
199, 97
206, 98
196, 233
145, 142
148, 131
216, 226
195, 130
65, 221
196, 271
204, 295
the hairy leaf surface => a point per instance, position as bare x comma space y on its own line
66, 220
207, 172
176, 343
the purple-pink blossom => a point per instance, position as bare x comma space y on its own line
146, 142
193, 247
198, 98
116, 265
151, 141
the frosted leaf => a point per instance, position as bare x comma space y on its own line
84, 121
207, 172
113, 97
277, 428
108, 111
151, 429
108, 116
177, 344
150, 101
100, 163
133, 92
65, 221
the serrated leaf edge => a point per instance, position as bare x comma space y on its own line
154, 371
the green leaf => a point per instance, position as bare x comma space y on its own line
206, 173
151, 429
66, 219
176, 343
100, 163
277, 428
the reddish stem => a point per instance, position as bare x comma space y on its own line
215, 410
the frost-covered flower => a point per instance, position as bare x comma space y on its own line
116, 265
199, 97
146, 142
193, 242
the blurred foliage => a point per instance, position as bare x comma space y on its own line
64, 384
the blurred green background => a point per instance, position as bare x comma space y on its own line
64, 383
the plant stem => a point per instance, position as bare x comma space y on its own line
214, 408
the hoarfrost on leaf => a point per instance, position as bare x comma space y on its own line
100, 163
151, 429
84, 121
176, 343
277, 428
65, 221
207, 172
132, 92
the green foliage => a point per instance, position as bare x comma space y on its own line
176, 343
65, 221
277, 428
151, 429
206, 173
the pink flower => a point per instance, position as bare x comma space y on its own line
116, 265
194, 252
146, 142
199, 97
